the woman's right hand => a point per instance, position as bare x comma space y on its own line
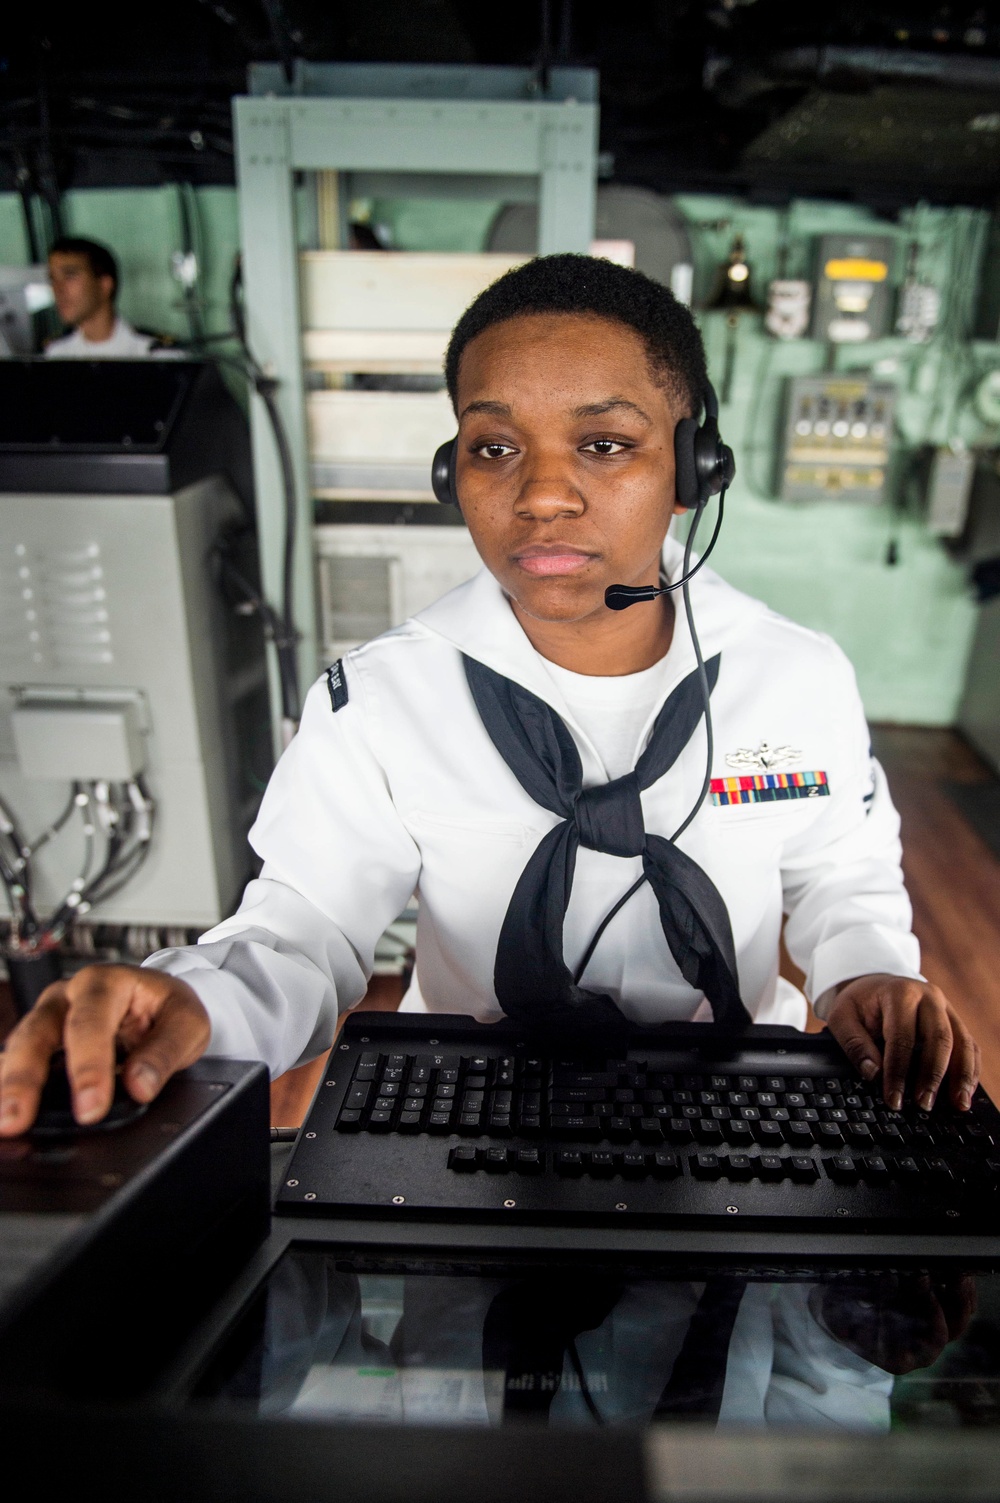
157, 1019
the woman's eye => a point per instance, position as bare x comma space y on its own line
495, 451
604, 446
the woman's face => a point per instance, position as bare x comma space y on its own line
565, 462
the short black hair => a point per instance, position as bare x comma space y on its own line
585, 284
100, 260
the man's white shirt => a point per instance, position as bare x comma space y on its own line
125, 343
401, 791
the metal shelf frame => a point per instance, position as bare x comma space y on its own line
522, 145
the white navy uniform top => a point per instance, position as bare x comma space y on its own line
400, 791
124, 343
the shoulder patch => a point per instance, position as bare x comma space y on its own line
337, 685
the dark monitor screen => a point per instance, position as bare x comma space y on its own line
91, 406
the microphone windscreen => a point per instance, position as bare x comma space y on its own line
619, 597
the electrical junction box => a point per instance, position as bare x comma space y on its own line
853, 300
837, 439
76, 741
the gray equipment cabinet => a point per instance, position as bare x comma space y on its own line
118, 653
442, 130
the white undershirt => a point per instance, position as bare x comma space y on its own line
612, 711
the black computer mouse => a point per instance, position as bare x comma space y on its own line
55, 1112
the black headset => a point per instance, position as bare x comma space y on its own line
704, 465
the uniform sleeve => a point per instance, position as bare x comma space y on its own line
339, 866
848, 911
816, 1381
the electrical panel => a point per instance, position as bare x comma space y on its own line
837, 439
853, 300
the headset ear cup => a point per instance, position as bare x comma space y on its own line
443, 474
685, 465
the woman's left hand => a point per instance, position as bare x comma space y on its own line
884, 1023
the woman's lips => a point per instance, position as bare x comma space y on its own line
544, 562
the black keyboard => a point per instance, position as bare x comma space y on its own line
444, 1117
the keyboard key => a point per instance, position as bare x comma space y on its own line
602, 1163
798, 1134
421, 1075
569, 1161
740, 1166
380, 1121
771, 1166
409, 1121
908, 1169
439, 1122
531, 1123
740, 1134
874, 1167
803, 1168
619, 1129
498, 1125
794, 1098
397, 1061
496, 1161
774, 1082
768, 1134
707, 1131
448, 1077
366, 1072
747, 1082
529, 1161
370, 1057
384, 1103
679, 1130
828, 1134
940, 1168
860, 1133
349, 1121
470, 1124
445, 1092
500, 1101
586, 1079
650, 1130
463, 1160
633, 1164
842, 1168
665, 1165
768, 1098
442, 1106
803, 1083
706, 1165
357, 1097
738, 1098
583, 1093
720, 1082
807, 1114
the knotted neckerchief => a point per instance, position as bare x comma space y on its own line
533, 984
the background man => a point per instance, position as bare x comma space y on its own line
84, 278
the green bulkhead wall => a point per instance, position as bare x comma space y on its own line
906, 626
